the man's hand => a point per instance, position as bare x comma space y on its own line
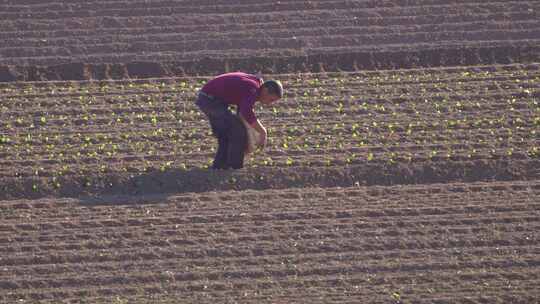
262, 138
258, 126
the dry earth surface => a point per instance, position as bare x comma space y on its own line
402, 167
100, 39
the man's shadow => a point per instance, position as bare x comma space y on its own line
156, 186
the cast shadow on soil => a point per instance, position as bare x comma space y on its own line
156, 186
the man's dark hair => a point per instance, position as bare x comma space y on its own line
274, 87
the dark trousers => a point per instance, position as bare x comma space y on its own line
229, 131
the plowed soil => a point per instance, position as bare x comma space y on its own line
403, 163
440, 243
411, 186
119, 39
385, 127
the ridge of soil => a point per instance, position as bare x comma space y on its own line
203, 180
324, 62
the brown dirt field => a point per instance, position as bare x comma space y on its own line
403, 163
439, 243
410, 186
340, 129
112, 39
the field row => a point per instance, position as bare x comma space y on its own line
161, 30
403, 201
145, 65
286, 242
368, 8
186, 49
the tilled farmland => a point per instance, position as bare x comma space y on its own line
117, 39
416, 244
409, 186
403, 163
334, 129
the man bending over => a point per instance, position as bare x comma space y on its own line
242, 90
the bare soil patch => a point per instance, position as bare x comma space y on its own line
108, 40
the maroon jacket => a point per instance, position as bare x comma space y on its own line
236, 88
